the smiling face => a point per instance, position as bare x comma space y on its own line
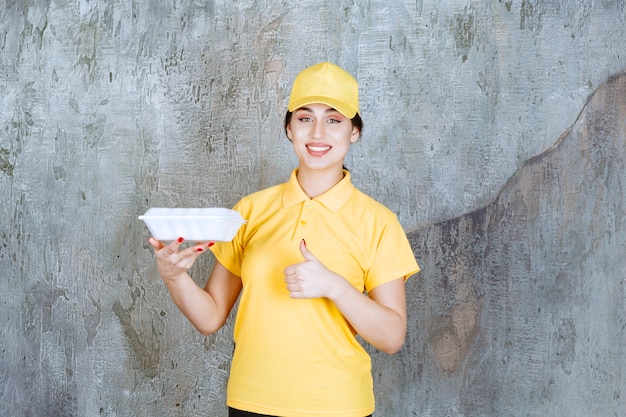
321, 137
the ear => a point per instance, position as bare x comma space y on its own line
356, 135
288, 132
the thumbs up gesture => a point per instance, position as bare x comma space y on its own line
310, 278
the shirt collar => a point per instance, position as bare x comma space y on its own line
333, 199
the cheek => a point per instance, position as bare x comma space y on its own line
346, 137
295, 132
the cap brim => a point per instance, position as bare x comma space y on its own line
342, 107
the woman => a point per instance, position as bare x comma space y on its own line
317, 263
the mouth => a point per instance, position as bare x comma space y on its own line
318, 149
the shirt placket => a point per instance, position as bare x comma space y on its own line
305, 221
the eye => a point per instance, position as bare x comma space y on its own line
333, 120
303, 116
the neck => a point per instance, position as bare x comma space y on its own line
317, 182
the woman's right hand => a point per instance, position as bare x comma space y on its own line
172, 262
206, 308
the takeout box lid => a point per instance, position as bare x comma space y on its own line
192, 213
193, 224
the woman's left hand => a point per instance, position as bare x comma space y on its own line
310, 278
379, 317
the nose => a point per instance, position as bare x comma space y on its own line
318, 129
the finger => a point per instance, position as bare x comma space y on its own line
292, 287
193, 251
173, 247
189, 258
296, 294
156, 244
186, 257
308, 256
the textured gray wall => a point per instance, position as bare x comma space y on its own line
521, 310
110, 107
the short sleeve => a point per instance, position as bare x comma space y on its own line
392, 256
230, 254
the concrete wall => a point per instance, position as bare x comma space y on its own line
480, 133
521, 308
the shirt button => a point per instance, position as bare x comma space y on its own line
303, 222
309, 205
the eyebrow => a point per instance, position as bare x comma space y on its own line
329, 110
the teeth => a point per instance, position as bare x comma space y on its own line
319, 148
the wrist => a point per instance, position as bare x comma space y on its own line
174, 279
339, 289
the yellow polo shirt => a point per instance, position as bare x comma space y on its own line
296, 357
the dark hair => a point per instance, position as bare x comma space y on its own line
356, 121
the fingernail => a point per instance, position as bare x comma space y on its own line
180, 240
211, 244
304, 241
199, 249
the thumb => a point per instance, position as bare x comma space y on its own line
308, 256
156, 244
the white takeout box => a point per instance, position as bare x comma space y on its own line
193, 224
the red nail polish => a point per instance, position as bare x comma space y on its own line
211, 244
199, 249
180, 240
304, 241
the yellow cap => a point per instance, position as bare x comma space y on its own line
328, 84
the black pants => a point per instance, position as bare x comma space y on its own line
238, 413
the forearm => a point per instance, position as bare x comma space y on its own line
195, 303
380, 325
207, 309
